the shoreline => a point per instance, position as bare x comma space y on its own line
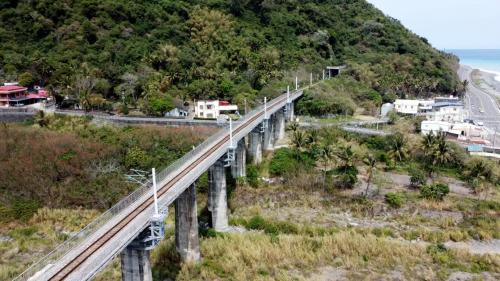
488, 80
491, 72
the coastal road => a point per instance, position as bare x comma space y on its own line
480, 105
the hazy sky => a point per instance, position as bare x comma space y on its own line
449, 24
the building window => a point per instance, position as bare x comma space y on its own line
201, 107
209, 106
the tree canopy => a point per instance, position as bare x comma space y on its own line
142, 50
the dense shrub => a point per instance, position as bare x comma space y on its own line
346, 177
393, 117
394, 199
253, 176
73, 163
136, 158
478, 171
284, 160
269, 227
375, 142
417, 178
435, 191
326, 105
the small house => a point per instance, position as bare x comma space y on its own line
206, 109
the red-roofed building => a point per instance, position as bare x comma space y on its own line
10, 93
15, 95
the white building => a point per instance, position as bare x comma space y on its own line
469, 130
412, 106
212, 109
434, 127
464, 131
446, 111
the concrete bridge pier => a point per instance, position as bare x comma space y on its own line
217, 196
290, 112
268, 134
238, 167
135, 264
186, 226
279, 126
255, 146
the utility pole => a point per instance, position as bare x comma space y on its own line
245, 100
154, 192
265, 107
288, 93
231, 133
296, 83
323, 75
311, 79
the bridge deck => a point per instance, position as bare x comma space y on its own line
84, 260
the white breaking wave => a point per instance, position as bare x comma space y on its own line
497, 77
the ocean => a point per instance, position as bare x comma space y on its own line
486, 60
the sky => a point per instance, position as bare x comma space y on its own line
449, 24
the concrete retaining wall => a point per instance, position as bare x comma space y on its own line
15, 117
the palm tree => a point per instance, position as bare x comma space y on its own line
347, 172
442, 152
326, 156
428, 142
371, 163
346, 156
293, 126
312, 137
299, 139
477, 171
397, 149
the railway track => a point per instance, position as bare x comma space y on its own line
83, 256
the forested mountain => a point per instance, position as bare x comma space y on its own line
144, 52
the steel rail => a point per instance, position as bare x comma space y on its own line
96, 245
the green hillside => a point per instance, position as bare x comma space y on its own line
146, 52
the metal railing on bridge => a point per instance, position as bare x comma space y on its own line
143, 192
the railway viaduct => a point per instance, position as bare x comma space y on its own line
135, 225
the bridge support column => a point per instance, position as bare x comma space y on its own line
279, 126
268, 134
135, 265
217, 196
186, 226
238, 167
255, 146
290, 111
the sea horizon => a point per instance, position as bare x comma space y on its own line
487, 60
